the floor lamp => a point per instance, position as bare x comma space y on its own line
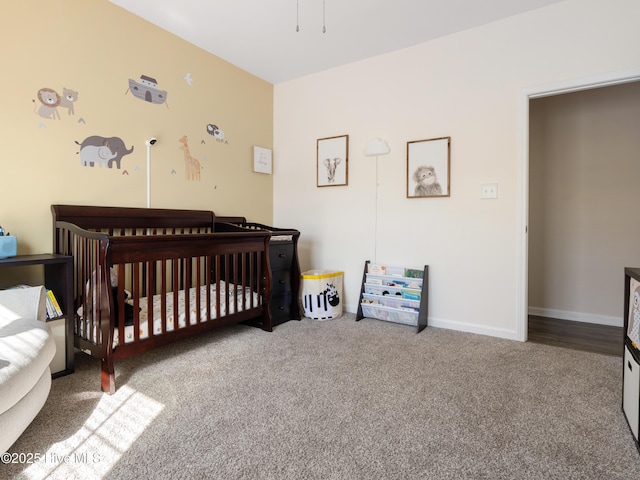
374, 148
149, 143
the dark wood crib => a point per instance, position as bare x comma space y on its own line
149, 277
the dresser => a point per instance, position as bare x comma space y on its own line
285, 269
285, 275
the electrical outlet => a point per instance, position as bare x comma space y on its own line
489, 190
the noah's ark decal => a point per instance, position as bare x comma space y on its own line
147, 89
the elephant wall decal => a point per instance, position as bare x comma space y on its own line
115, 144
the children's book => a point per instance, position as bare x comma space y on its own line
377, 269
54, 303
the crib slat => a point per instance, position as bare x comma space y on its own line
186, 288
120, 300
207, 270
176, 290
163, 296
136, 293
217, 281
150, 268
198, 284
251, 277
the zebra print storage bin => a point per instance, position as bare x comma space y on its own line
321, 294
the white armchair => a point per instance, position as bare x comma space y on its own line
26, 349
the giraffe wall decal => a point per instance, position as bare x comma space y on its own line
191, 165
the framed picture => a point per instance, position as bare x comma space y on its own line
428, 167
262, 159
333, 161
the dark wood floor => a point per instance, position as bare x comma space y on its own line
577, 335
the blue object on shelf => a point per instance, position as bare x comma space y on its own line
8, 246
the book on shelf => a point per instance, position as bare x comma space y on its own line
413, 273
50, 313
55, 306
377, 269
411, 294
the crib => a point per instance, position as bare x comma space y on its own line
148, 277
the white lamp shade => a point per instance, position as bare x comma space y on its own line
376, 146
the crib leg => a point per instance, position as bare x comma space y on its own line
108, 377
267, 323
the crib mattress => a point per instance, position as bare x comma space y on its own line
234, 306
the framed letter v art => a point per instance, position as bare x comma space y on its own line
333, 161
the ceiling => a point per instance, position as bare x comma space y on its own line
260, 36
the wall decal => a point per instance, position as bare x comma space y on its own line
191, 165
124, 172
69, 98
50, 101
188, 79
103, 151
81, 120
216, 133
90, 155
147, 89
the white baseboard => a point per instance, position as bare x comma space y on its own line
513, 335
467, 327
577, 316
473, 328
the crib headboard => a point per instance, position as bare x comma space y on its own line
92, 217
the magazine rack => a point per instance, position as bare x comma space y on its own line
395, 294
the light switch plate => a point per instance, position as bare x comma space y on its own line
489, 190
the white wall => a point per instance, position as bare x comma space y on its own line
468, 86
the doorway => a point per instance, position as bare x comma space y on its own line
583, 173
526, 235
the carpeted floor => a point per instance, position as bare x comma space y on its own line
338, 400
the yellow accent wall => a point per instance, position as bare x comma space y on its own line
94, 48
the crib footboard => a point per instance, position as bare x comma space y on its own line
134, 292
